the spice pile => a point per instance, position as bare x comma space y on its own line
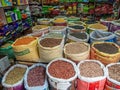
61, 69
57, 27
36, 76
114, 72
106, 48
75, 48
24, 41
90, 69
15, 75
50, 42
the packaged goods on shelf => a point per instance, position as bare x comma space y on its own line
57, 72
77, 51
106, 52
92, 73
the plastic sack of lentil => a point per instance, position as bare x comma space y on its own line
106, 52
25, 48
62, 74
61, 29
35, 77
13, 80
114, 26
77, 51
117, 33
102, 36
40, 28
96, 26
77, 28
113, 76
50, 48
77, 37
91, 75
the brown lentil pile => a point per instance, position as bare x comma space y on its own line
50, 42
106, 48
36, 76
114, 72
90, 69
79, 35
61, 69
76, 48
15, 75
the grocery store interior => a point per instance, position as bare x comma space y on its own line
59, 44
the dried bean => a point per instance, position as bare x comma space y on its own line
77, 27
61, 69
114, 72
36, 76
79, 35
90, 69
50, 42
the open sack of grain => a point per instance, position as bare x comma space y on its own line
91, 75
43, 21
117, 33
25, 48
13, 78
35, 78
59, 21
61, 29
113, 76
50, 48
102, 36
76, 28
115, 25
61, 74
39, 30
77, 37
96, 26
77, 51
106, 52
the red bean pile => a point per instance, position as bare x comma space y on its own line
114, 72
36, 76
50, 42
91, 69
61, 69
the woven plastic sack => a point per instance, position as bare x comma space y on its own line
106, 23
17, 86
102, 36
114, 26
104, 57
80, 56
49, 53
44, 87
95, 83
26, 52
111, 84
117, 33
62, 84
74, 39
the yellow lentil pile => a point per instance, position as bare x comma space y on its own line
40, 26
59, 20
97, 26
15, 75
